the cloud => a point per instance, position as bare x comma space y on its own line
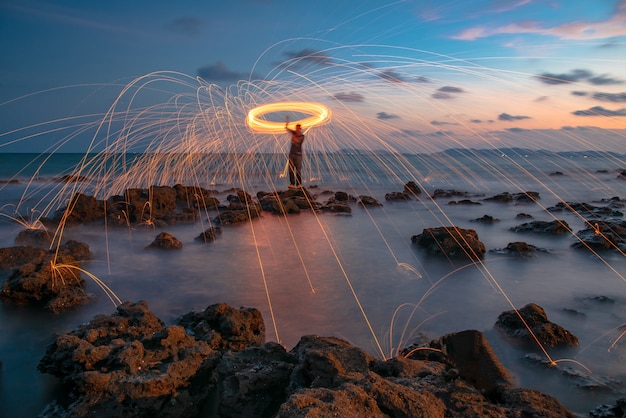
447, 92
611, 27
308, 56
509, 118
349, 97
579, 93
391, 76
385, 115
442, 123
600, 111
219, 72
575, 76
610, 97
187, 26
516, 130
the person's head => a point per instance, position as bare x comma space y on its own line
298, 127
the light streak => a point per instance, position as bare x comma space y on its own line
320, 114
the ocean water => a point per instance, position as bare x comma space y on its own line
356, 276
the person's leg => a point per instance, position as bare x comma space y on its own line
292, 171
298, 164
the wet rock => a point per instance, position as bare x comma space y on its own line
543, 227
209, 235
81, 209
602, 235
534, 319
12, 257
617, 410
34, 238
451, 241
523, 216
397, 196
165, 241
196, 197
463, 202
368, 201
412, 188
230, 217
519, 248
339, 203
130, 365
556, 173
50, 279
441, 193
486, 219
224, 327
522, 197
587, 210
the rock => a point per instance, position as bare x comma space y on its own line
230, 217
441, 193
535, 319
519, 248
51, 279
368, 201
523, 216
412, 188
463, 202
196, 197
12, 257
165, 241
130, 365
602, 235
34, 238
451, 241
486, 219
224, 327
397, 196
209, 235
610, 411
339, 203
587, 210
81, 209
514, 197
543, 227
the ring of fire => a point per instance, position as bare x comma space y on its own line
319, 114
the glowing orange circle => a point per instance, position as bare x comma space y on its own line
319, 114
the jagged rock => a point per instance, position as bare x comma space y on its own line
543, 227
519, 248
209, 235
514, 197
587, 210
51, 278
397, 196
412, 188
368, 201
165, 241
536, 321
602, 235
12, 257
34, 238
451, 241
486, 219
463, 202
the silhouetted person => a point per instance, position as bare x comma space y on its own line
295, 156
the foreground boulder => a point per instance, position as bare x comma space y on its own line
216, 363
532, 320
451, 241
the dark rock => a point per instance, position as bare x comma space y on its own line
486, 219
556, 173
130, 365
368, 201
209, 235
34, 238
196, 197
441, 193
165, 241
253, 382
587, 210
51, 279
519, 248
230, 217
338, 203
72, 178
543, 227
224, 327
514, 197
532, 320
397, 196
463, 202
523, 216
602, 235
12, 257
412, 188
451, 241
616, 410
81, 209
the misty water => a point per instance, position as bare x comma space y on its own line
345, 276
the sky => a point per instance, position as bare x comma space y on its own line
542, 73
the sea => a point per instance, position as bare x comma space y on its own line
356, 276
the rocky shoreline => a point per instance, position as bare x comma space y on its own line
217, 362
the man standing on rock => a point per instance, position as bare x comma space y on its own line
295, 156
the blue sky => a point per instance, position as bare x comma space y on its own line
525, 57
